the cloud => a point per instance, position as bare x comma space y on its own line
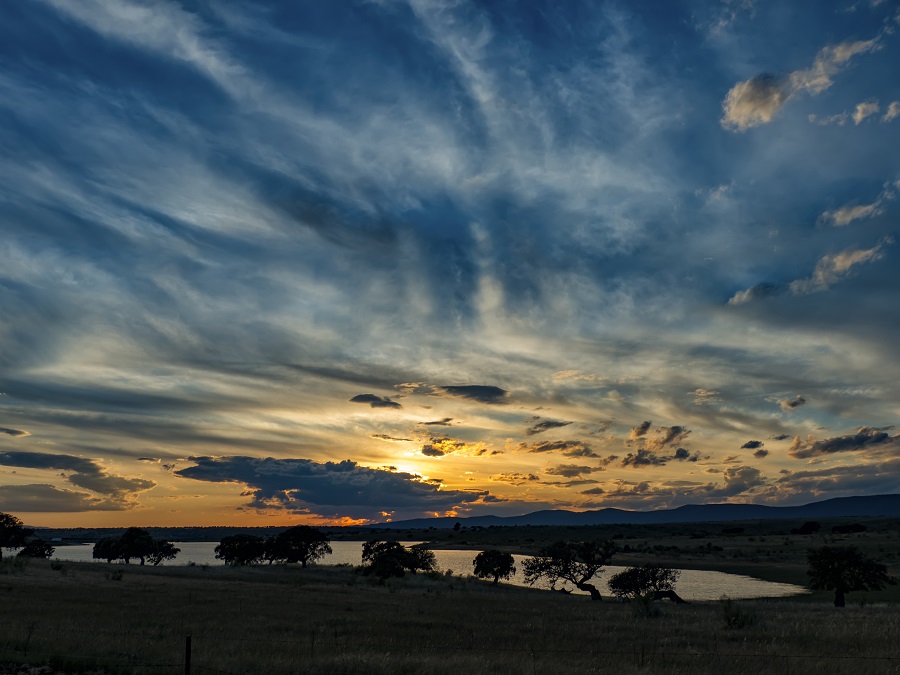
791, 403
755, 101
892, 112
329, 489
840, 119
572, 470
567, 448
515, 478
375, 401
847, 214
476, 392
43, 498
752, 445
759, 454
645, 457
757, 292
705, 396
832, 268
80, 472
445, 422
640, 430
864, 439
740, 479
438, 447
864, 110
544, 425
17, 433
781, 437
758, 100
386, 437
667, 436
829, 270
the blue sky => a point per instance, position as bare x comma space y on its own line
338, 262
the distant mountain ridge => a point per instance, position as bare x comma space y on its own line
875, 505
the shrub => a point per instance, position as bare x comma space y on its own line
737, 616
115, 575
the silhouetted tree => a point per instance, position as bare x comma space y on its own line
107, 549
36, 548
162, 550
134, 543
13, 533
653, 581
299, 544
574, 561
494, 564
241, 549
844, 569
392, 559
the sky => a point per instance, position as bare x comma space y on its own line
270, 263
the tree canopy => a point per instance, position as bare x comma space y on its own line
135, 543
241, 549
651, 580
844, 569
392, 559
299, 544
36, 548
13, 533
493, 564
574, 561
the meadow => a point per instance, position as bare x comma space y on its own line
118, 619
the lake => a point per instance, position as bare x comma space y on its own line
692, 584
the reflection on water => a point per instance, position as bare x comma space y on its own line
692, 584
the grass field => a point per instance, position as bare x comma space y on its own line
79, 618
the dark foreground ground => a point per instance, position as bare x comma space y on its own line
89, 618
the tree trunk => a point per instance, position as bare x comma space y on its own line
839, 597
496, 580
590, 588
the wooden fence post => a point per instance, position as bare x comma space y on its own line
187, 655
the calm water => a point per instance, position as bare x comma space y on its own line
692, 584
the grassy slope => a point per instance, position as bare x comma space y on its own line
329, 620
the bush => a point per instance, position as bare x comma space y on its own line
737, 616
115, 575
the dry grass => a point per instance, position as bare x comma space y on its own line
328, 620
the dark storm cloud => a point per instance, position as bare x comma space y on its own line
791, 403
476, 392
13, 432
327, 488
640, 430
375, 401
543, 425
865, 438
572, 470
83, 473
43, 498
752, 445
567, 448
